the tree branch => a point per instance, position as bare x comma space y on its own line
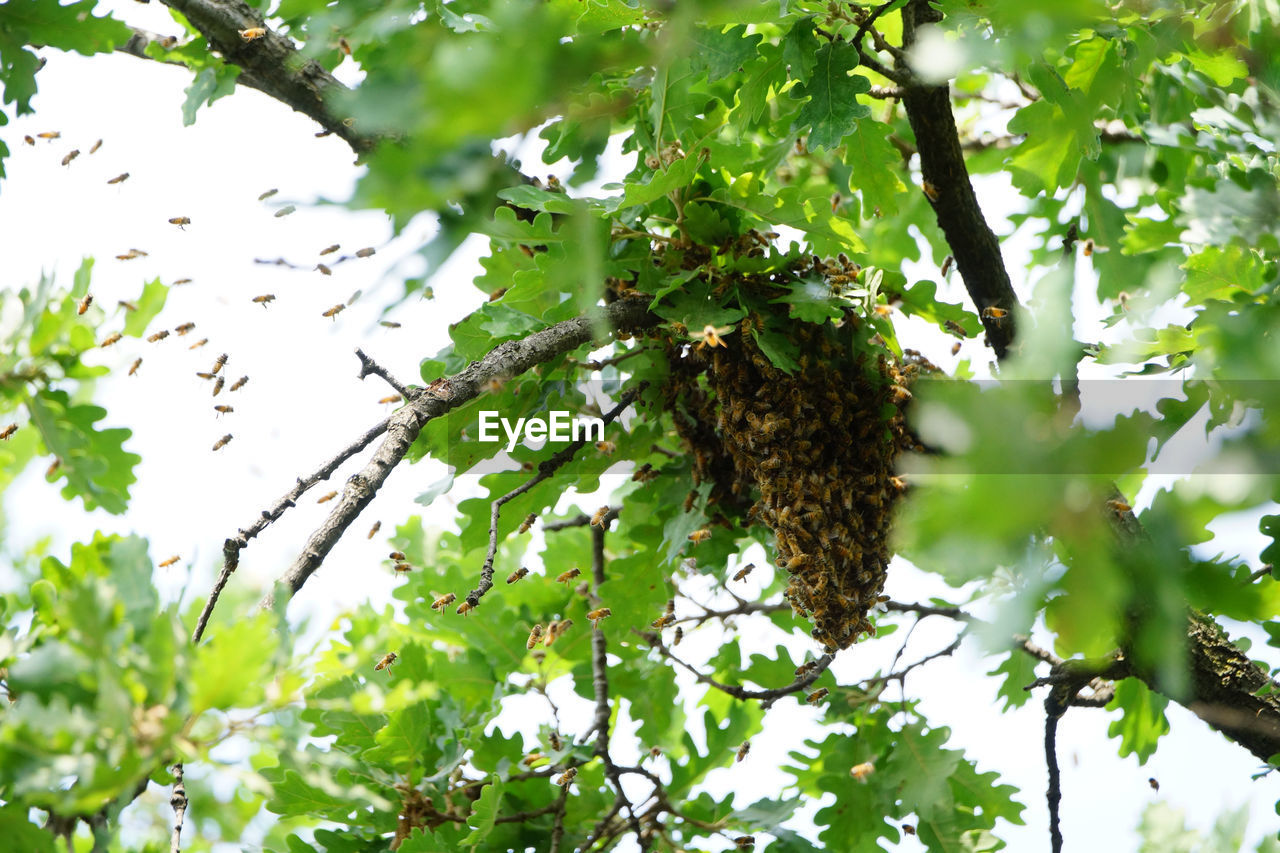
509, 359
178, 800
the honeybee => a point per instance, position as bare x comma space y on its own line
29, 139
71, 155
567, 777
285, 211
955, 348
222, 442
744, 571
110, 339
389, 324
264, 299
608, 448
678, 636
689, 499
597, 520
394, 398
387, 659
180, 282
518, 574
599, 613
120, 178
238, 384
1088, 247
403, 568
366, 252
158, 336
136, 364
991, 312
862, 771
930, 190
329, 250
130, 255
699, 536
53, 468
377, 525
328, 497
217, 386
252, 34
49, 134
444, 601
94, 148
334, 311
908, 829
204, 375
556, 743
565, 577
180, 221
744, 749
169, 562
662, 621
527, 523
947, 263
1119, 507
535, 636
84, 303
185, 328
744, 842
532, 759
464, 608
7, 432
344, 45
324, 270
817, 696
126, 305
397, 555
223, 410
1155, 785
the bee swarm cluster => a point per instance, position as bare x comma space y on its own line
819, 446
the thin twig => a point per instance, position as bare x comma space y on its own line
580, 520
368, 366
178, 800
545, 469
557, 827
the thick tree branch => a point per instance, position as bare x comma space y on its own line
505, 360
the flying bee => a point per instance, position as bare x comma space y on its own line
120, 178
366, 252
344, 45
239, 383
535, 636
29, 139
527, 523
566, 778
7, 432
909, 829
744, 749
389, 324
252, 34
397, 555
268, 194
329, 250
556, 743
464, 608
94, 148
84, 303
599, 613
328, 497
444, 601
158, 336
53, 468
264, 299
862, 771
698, 536
1155, 785
285, 211
1119, 507
126, 305
678, 637
1088, 247
377, 525
955, 348
387, 659
217, 386
991, 312
403, 568
663, 621
598, 520
222, 442
169, 562
136, 364
955, 328
110, 339
130, 255
334, 311
817, 696
180, 282
608, 448
185, 328
49, 134
947, 263
518, 574
532, 759
744, 571
204, 375
744, 842
930, 191
565, 577
71, 155
324, 270
223, 410
180, 221
394, 398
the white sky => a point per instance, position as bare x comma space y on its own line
303, 402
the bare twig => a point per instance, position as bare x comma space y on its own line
178, 800
369, 366
545, 469
557, 826
580, 520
